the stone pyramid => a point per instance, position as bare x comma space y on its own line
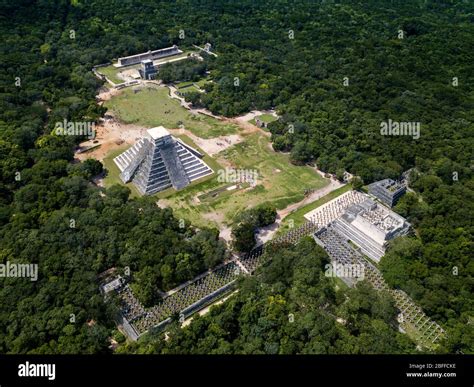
158, 161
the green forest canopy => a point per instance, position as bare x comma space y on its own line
49, 48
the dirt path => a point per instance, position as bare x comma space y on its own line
332, 186
110, 135
225, 233
173, 92
266, 233
254, 113
241, 121
105, 94
211, 146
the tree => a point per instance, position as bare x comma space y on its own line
119, 193
243, 237
357, 183
300, 153
194, 97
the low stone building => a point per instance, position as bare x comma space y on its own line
388, 191
148, 70
150, 55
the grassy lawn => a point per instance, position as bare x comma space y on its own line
218, 193
265, 118
197, 85
151, 106
111, 73
183, 85
298, 216
207, 159
202, 82
187, 89
166, 59
279, 183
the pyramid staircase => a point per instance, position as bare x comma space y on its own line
129, 160
173, 164
152, 176
159, 161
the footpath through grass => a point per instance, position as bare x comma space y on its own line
151, 106
279, 183
297, 218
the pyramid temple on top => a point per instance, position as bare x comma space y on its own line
158, 161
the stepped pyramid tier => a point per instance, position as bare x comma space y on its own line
159, 161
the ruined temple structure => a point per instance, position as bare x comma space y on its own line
149, 55
357, 218
148, 70
370, 226
159, 161
388, 191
